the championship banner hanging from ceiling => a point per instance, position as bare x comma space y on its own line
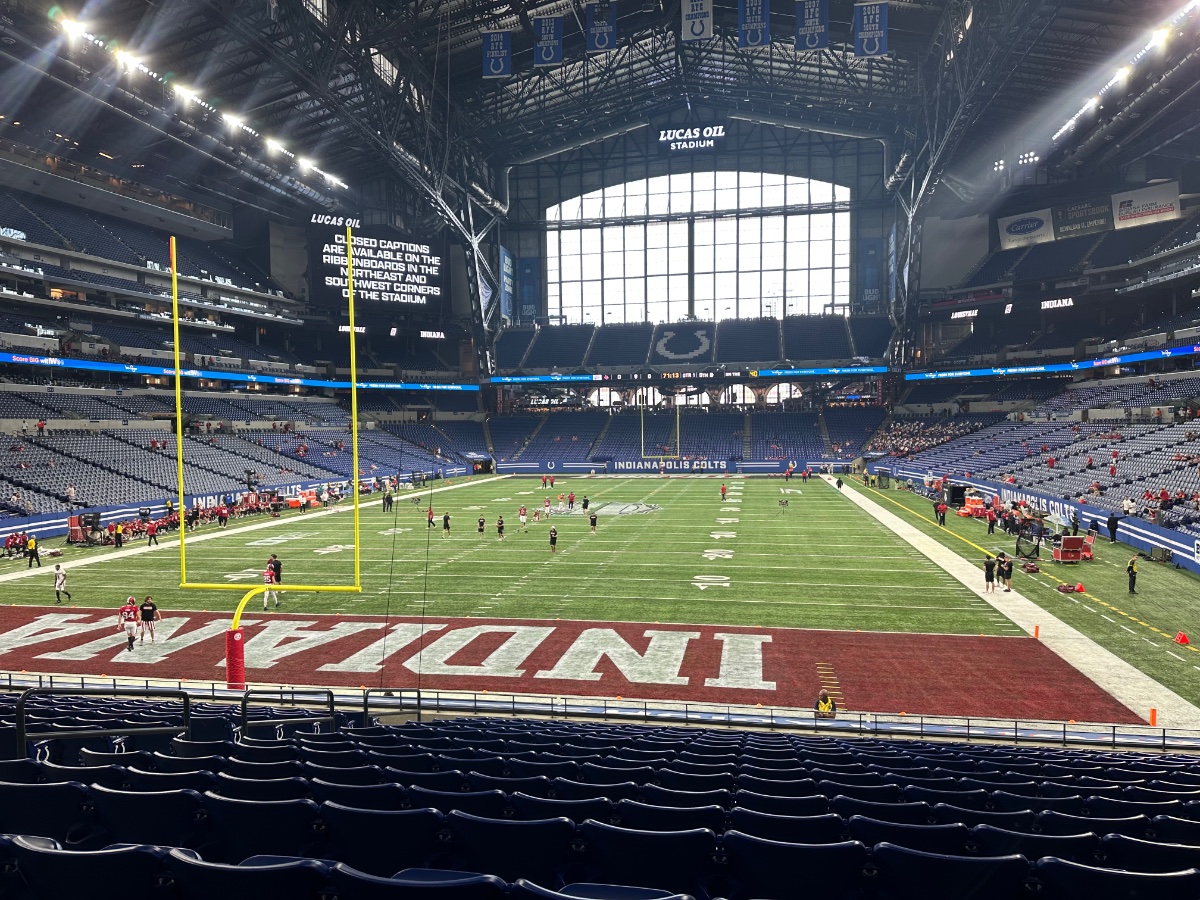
754, 23
812, 25
602, 27
697, 22
548, 44
497, 54
870, 29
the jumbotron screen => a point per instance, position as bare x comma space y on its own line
389, 267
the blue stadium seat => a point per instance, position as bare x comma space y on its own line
877, 793
1105, 806
677, 861
168, 818
1061, 823
164, 763
904, 813
1175, 830
969, 799
565, 789
21, 771
686, 781
596, 774
171, 781
381, 842
359, 796
868, 779
495, 766
824, 829
489, 804
1004, 801
358, 775
525, 806
784, 871
1065, 880
257, 753
527, 890
240, 769
692, 767
914, 875
181, 747
814, 805
416, 884
261, 788
528, 768
401, 758
945, 814
114, 777
538, 849
778, 787
662, 796
245, 828
993, 841
343, 758
140, 758
110, 874
534, 786
451, 780
196, 879
951, 839
56, 811
1120, 852
648, 817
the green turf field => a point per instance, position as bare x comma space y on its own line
1138, 628
821, 563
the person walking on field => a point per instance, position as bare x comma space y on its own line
1113, 524
60, 584
991, 520
270, 593
1131, 571
446, 525
149, 614
127, 619
723, 489
553, 539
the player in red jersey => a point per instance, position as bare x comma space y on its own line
127, 618
522, 514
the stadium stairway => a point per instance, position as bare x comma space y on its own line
16, 200
747, 437
600, 438
487, 439
529, 438
823, 430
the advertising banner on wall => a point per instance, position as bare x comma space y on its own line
602, 27
870, 29
697, 20
529, 287
508, 282
497, 54
1157, 203
754, 23
390, 267
548, 46
1030, 228
812, 25
1092, 216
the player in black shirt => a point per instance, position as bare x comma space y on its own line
148, 614
592, 522
500, 528
989, 575
553, 538
445, 525
482, 525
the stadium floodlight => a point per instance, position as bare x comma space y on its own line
72, 28
275, 147
304, 163
187, 95
998, 166
1124, 72
1159, 37
128, 60
233, 121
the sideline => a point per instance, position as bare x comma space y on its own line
240, 529
1128, 684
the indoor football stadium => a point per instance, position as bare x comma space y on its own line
600, 450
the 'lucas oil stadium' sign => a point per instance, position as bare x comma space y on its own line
691, 139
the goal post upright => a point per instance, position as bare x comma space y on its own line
234, 649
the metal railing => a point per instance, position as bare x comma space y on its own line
292, 695
24, 734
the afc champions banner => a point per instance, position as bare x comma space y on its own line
548, 43
508, 282
870, 273
870, 29
602, 27
812, 25
529, 288
497, 54
697, 22
754, 23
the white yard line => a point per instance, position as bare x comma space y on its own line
214, 534
1128, 684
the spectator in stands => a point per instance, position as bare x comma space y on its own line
1128, 506
825, 707
41, 427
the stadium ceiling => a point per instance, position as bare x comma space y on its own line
393, 90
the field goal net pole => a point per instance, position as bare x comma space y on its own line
660, 456
235, 654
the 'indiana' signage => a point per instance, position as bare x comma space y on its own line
691, 139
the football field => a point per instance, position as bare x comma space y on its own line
665, 550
